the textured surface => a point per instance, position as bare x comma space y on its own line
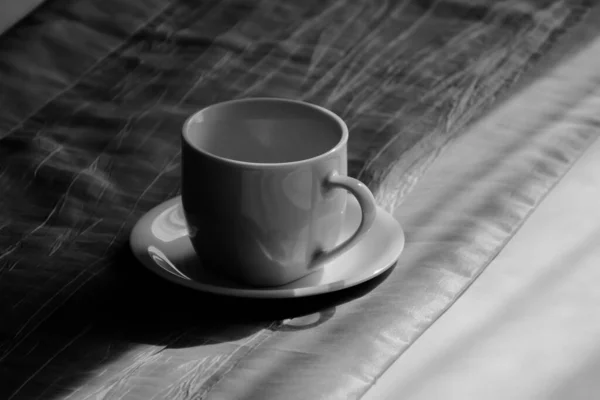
91, 105
536, 301
11, 11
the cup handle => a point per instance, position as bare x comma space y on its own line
368, 211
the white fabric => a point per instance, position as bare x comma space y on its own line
528, 328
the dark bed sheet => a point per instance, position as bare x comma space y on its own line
92, 97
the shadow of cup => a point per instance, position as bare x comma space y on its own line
147, 308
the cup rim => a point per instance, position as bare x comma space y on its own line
339, 121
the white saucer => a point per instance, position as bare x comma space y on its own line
160, 241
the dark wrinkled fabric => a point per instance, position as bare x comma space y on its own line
92, 97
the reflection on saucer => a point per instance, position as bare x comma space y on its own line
162, 261
160, 240
170, 224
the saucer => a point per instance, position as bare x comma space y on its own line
160, 242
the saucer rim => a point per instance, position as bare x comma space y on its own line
268, 292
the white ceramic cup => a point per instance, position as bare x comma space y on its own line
261, 182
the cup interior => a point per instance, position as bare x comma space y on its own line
265, 131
